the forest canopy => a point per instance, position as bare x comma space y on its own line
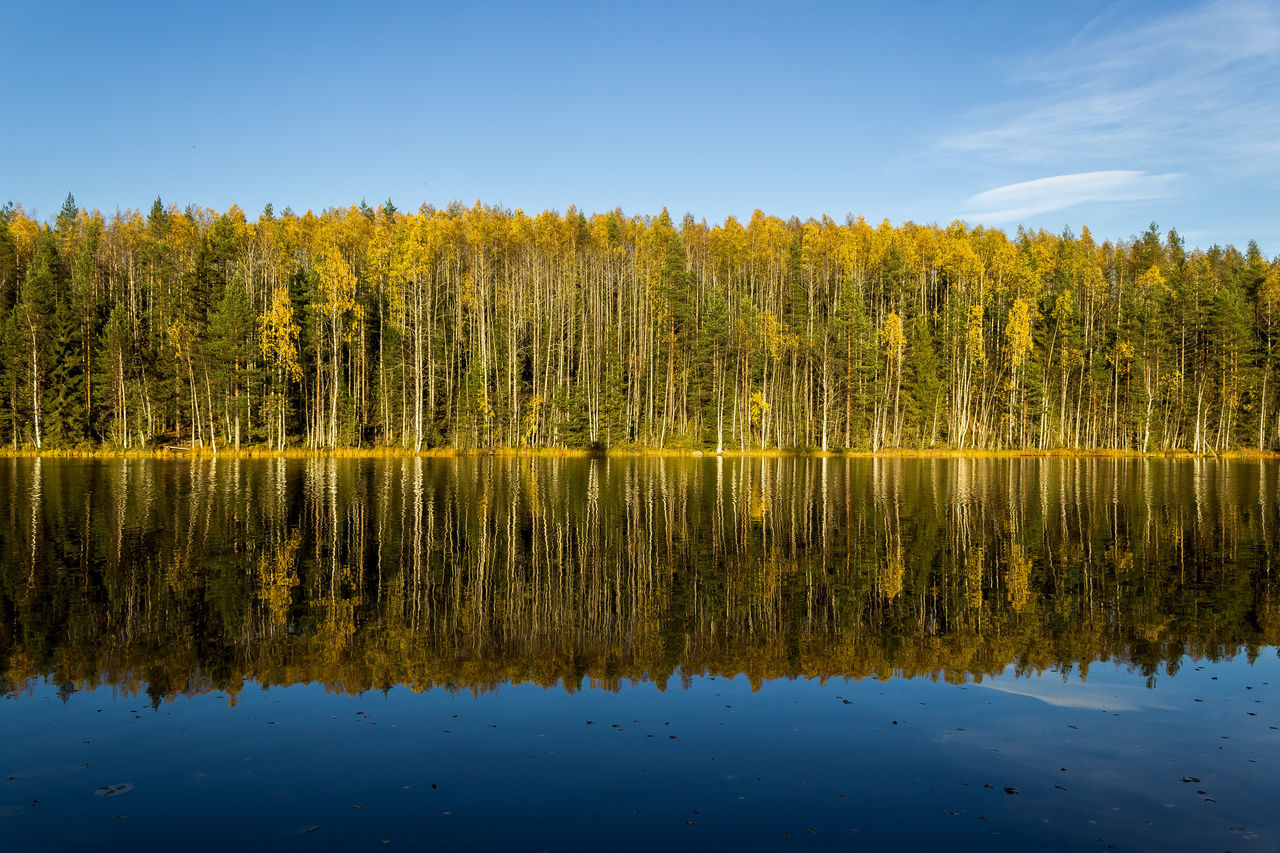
477, 327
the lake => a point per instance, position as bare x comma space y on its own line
547, 654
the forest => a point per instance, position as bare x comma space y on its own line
480, 327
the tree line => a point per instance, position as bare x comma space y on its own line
480, 327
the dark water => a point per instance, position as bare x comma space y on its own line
721, 654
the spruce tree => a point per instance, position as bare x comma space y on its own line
36, 311
230, 352
924, 385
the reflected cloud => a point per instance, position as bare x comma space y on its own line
1052, 690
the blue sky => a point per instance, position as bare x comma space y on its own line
1107, 114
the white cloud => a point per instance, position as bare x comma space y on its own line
1196, 88
1027, 199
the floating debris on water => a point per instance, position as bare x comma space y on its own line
301, 830
113, 790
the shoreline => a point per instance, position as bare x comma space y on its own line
615, 453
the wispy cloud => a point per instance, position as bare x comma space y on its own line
1027, 199
1196, 87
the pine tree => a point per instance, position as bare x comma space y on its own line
231, 353
112, 375
10, 376
924, 388
8, 261
36, 316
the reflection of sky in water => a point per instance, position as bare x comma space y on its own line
187, 586
912, 762
1099, 692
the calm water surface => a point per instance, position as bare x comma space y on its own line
722, 654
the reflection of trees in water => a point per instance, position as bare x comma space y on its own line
466, 573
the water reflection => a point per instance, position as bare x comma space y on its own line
184, 577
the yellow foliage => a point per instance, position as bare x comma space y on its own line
892, 337
180, 335
337, 280
1269, 291
483, 407
279, 335
532, 418
1018, 332
973, 336
892, 573
1064, 307
1018, 578
25, 231
775, 342
1152, 282
277, 578
973, 571
1122, 354
759, 407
